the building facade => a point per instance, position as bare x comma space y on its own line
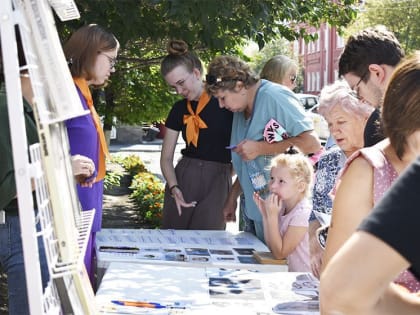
319, 58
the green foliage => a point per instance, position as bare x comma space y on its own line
401, 17
148, 195
137, 92
112, 179
133, 164
276, 47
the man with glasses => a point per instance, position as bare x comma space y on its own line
367, 63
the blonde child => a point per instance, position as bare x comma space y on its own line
286, 210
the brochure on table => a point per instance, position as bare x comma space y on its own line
179, 247
206, 290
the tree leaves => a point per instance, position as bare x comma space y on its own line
143, 28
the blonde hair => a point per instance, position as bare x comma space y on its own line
299, 167
277, 67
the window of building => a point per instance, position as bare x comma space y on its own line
340, 41
318, 81
308, 81
318, 41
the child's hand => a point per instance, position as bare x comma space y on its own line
260, 203
273, 205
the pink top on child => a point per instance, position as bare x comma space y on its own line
299, 259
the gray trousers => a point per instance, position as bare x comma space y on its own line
206, 182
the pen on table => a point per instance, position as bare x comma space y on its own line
139, 304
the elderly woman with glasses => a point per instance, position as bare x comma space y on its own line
197, 188
370, 172
267, 120
280, 69
346, 116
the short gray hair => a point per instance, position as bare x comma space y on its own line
340, 94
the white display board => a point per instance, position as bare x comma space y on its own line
205, 290
180, 247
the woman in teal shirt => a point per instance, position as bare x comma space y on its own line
255, 103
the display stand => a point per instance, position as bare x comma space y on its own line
64, 227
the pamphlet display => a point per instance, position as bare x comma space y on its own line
158, 289
180, 247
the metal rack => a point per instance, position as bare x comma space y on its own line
64, 227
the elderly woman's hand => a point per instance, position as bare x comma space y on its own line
316, 252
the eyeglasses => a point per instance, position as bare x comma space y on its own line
293, 78
180, 83
355, 88
112, 61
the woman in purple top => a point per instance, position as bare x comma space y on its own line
91, 52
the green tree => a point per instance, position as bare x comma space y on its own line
279, 46
400, 16
137, 92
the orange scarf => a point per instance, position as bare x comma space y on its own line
103, 149
193, 121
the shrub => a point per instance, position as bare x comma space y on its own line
147, 190
133, 164
112, 179
147, 195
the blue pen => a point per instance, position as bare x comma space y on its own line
139, 304
88, 179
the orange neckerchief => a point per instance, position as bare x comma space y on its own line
193, 121
103, 150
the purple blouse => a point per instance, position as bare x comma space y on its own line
84, 140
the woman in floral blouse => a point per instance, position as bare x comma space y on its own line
346, 116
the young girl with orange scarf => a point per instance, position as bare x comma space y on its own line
197, 188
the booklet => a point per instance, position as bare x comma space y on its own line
305, 307
268, 258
